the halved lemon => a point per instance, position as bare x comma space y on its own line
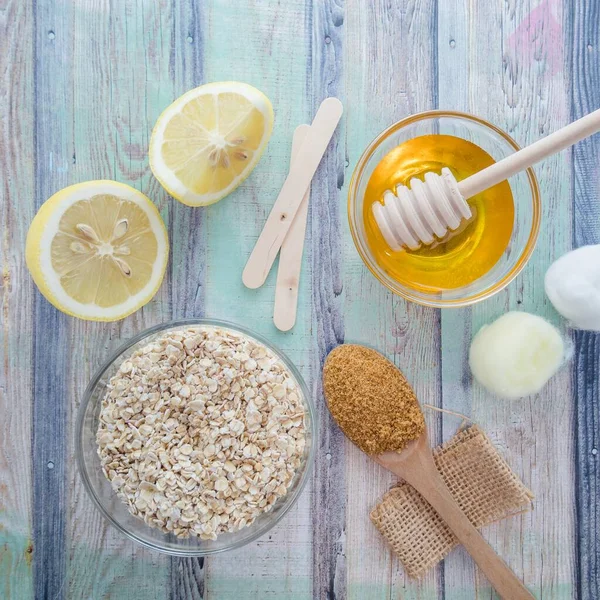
98, 250
209, 140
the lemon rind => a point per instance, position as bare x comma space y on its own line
45, 225
165, 175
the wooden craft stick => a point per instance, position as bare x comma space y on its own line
284, 210
290, 259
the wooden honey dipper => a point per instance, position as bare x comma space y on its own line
426, 210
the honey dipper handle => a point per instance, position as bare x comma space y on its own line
419, 470
507, 167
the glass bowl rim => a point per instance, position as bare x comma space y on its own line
123, 348
405, 293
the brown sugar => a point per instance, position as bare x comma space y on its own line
370, 399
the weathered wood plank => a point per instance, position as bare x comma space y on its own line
265, 44
121, 82
381, 89
187, 235
587, 361
188, 232
516, 81
51, 335
102, 71
454, 47
16, 305
583, 34
329, 570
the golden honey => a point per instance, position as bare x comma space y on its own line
462, 256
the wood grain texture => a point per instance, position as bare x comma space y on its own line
584, 35
188, 261
16, 297
329, 570
82, 85
378, 34
51, 335
269, 48
118, 92
511, 81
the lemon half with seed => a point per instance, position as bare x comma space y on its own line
209, 140
98, 250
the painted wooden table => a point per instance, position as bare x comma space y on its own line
82, 84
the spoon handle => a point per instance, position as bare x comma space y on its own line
422, 474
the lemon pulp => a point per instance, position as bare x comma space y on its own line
209, 140
104, 250
97, 250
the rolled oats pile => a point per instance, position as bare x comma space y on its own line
201, 431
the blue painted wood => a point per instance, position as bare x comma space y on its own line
51, 333
188, 258
144, 54
587, 475
187, 225
329, 508
16, 298
270, 49
583, 33
384, 48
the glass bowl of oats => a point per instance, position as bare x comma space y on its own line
195, 437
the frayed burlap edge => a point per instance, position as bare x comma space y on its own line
481, 482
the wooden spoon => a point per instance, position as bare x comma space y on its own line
415, 465
377, 409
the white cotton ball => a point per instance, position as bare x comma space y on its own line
573, 285
516, 355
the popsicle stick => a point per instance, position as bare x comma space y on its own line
288, 201
290, 259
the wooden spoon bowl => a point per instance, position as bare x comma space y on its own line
377, 409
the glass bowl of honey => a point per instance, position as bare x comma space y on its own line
486, 252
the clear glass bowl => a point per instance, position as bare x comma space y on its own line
524, 188
116, 511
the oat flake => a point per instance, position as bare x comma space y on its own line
201, 431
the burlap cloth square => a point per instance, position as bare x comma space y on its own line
481, 482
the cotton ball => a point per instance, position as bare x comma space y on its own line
573, 286
516, 355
